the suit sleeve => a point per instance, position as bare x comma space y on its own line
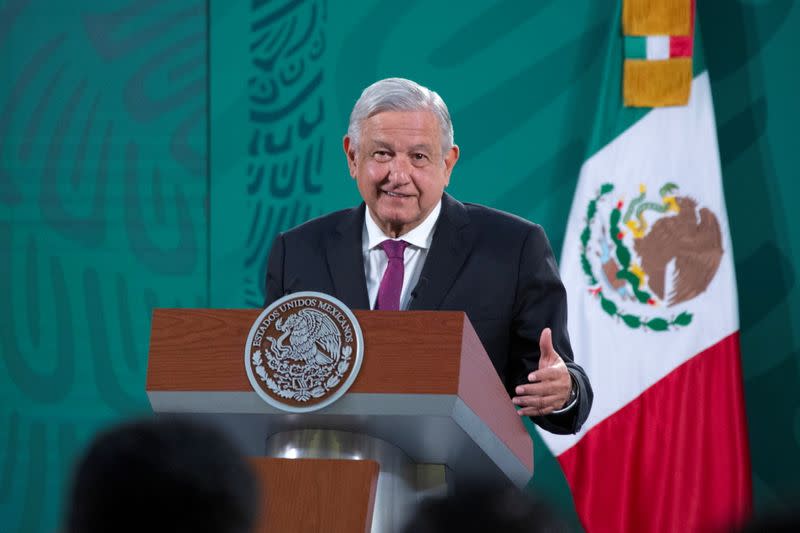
541, 302
274, 282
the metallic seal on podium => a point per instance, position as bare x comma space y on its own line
303, 352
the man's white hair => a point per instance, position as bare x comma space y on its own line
399, 94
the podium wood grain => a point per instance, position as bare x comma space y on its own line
212, 338
316, 495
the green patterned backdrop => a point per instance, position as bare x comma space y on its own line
149, 151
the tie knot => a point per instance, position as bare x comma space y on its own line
394, 249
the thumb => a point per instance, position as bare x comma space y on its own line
547, 354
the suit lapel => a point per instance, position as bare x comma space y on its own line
452, 244
346, 261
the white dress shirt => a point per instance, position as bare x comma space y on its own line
419, 242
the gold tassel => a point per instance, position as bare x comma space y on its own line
660, 83
657, 17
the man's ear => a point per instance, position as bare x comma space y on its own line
350, 154
450, 159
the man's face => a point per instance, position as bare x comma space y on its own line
399, 167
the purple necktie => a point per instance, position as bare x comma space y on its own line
392, 282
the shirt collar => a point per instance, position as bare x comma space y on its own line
420, 237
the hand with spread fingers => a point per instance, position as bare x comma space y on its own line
549, 386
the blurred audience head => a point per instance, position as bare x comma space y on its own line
486, 511
774, 521
162, 475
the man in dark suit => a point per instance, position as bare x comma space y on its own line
412, 246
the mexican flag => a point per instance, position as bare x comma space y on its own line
648, 266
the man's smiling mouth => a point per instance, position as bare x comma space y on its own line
391, 194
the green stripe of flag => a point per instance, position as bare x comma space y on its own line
635, 47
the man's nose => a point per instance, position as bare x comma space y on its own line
400, 169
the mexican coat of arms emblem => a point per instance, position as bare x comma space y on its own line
646, 259
304, 351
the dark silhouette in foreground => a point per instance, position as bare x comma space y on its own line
162, 475
486, 511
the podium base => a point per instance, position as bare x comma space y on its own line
401, 482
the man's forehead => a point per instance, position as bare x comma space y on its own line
403, 121
409, 128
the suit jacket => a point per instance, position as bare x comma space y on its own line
494, 266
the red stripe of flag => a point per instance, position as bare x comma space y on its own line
674, 459
681, 45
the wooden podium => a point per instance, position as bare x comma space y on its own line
426, 391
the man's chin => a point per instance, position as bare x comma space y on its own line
394, 222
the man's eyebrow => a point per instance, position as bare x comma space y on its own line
421, 147
377, 143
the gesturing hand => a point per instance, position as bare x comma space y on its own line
549, 386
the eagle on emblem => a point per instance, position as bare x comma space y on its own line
693, 240
313, 338
689, 240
